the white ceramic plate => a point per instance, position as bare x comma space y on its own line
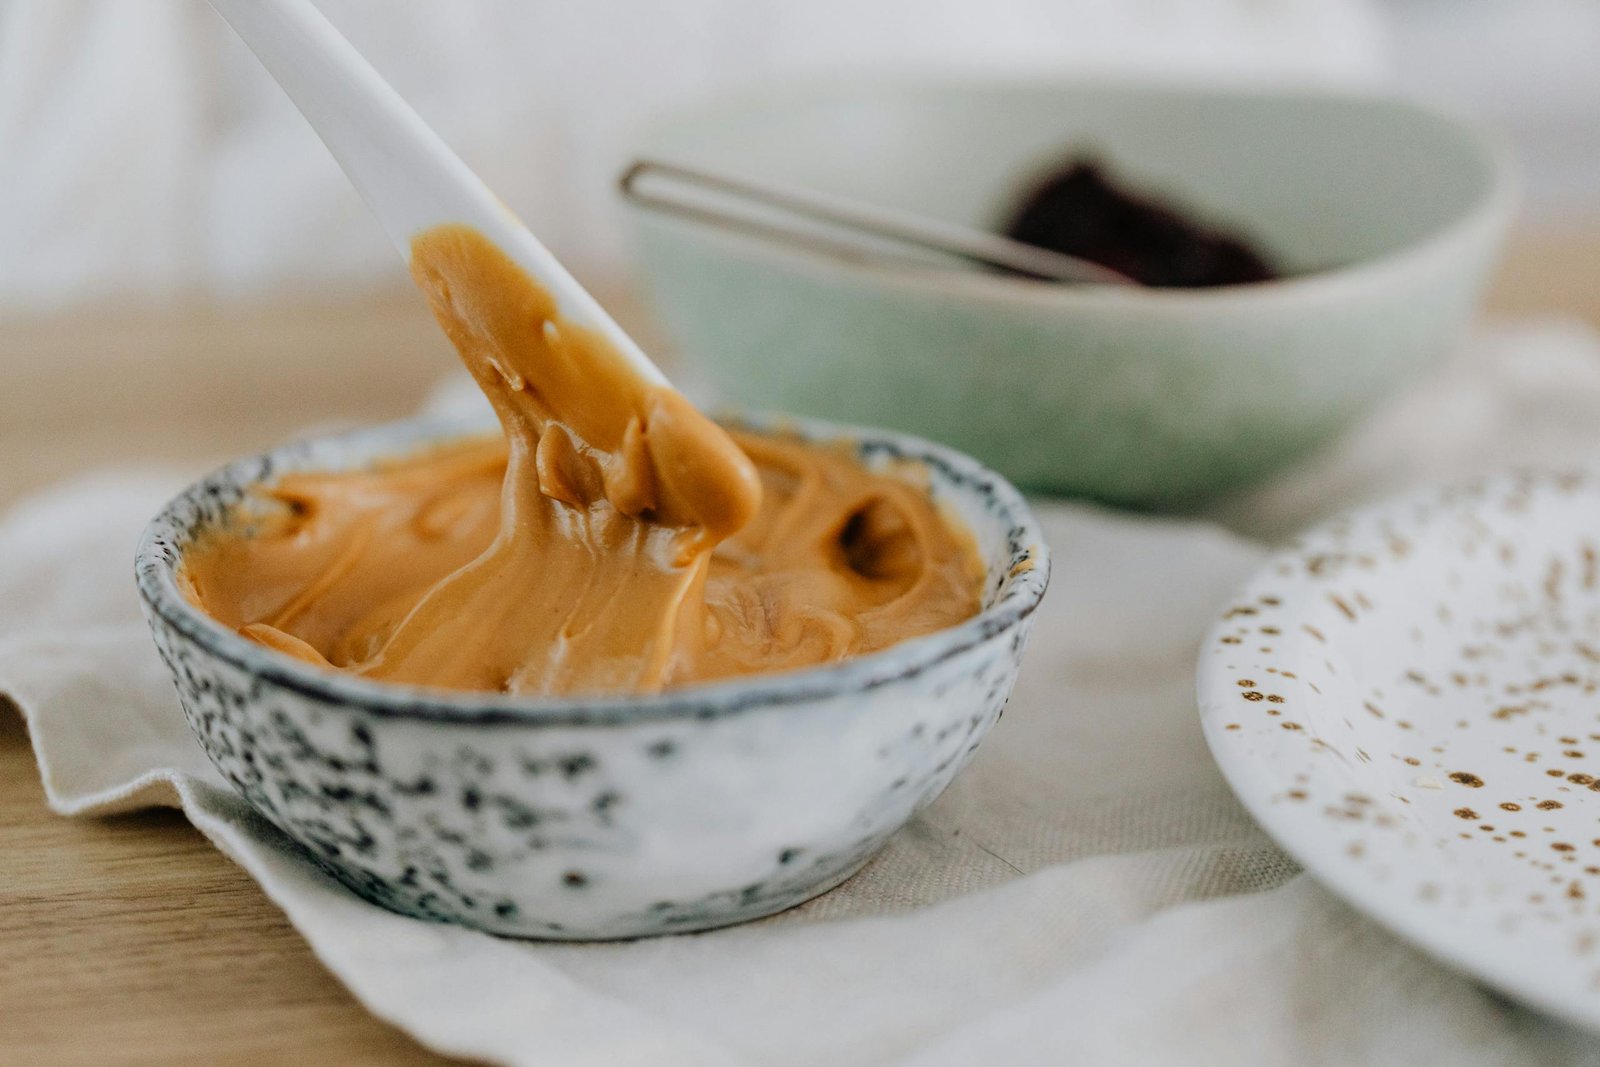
1408, 701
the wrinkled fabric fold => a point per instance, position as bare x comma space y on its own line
1088, 891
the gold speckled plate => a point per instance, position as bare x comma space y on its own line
1408, 701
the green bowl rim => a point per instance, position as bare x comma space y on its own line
1491, 211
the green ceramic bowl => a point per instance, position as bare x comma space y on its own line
1393, 212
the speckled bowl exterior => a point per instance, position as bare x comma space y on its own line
608, 817
1387, 213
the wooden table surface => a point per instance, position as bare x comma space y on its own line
129, 939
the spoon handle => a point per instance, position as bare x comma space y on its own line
404, 171
840, 225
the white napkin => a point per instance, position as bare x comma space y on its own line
1088, 891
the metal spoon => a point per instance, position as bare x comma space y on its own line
849, 228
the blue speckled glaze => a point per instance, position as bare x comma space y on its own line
607, 817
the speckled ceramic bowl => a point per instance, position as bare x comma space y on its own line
597, 818
1388, 213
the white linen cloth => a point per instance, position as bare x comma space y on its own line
1087, 892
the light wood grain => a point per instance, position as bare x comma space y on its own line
131, 940
1551, 272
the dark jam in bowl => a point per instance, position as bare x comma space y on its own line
1080, 211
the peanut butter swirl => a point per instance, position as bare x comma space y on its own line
612, 540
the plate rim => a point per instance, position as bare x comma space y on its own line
1251, 785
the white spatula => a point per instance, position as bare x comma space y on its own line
405, 172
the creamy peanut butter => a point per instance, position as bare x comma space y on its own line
613, 540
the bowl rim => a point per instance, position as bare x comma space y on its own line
1492, 209
158, 558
